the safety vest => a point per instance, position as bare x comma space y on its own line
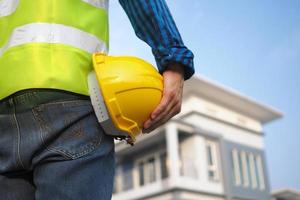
49, 43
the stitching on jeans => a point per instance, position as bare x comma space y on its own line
19, 138
35, 115
14, 147
90, 146
62, 102
87, 148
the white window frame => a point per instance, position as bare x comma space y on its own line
214, 155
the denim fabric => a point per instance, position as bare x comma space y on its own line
52, 147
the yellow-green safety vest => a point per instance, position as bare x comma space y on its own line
49, 43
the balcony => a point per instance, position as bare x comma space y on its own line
172, 157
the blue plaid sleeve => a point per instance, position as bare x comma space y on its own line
154, 24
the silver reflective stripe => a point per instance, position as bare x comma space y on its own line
54, 34
100, 109
97, 98
8, 7
98, 3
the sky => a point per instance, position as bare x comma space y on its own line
252, 46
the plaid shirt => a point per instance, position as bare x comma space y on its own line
153, 23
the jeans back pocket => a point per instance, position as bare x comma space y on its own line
69, 128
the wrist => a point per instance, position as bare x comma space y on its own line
175, 67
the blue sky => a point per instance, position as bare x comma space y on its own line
252, 46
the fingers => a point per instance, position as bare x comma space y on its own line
149, 123
165, 111
163, 106
164, 117
174, 101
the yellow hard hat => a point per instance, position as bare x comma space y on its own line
124, 91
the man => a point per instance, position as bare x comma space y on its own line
51, 145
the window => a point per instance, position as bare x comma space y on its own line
163, 165
252, 171
236, 167
245, 169
260, 172
188, 167
248, 168
152, 168
212, 160
141, 173
188, 159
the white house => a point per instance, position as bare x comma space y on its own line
212, 150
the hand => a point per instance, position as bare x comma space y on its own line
170, 104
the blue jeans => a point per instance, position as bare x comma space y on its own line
52, 147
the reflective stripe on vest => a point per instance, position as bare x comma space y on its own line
98, 3
51, 48
54, 34
75, 13
8, 7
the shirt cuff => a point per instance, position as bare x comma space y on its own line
178, 54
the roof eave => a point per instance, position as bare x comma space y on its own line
230, 98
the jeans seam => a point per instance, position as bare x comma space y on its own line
16, 124
14, 143
60, 102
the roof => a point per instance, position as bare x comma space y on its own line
290, 194
230, 98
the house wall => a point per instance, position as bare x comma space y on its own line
241, 191
195, 174
228, 132
219, 112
